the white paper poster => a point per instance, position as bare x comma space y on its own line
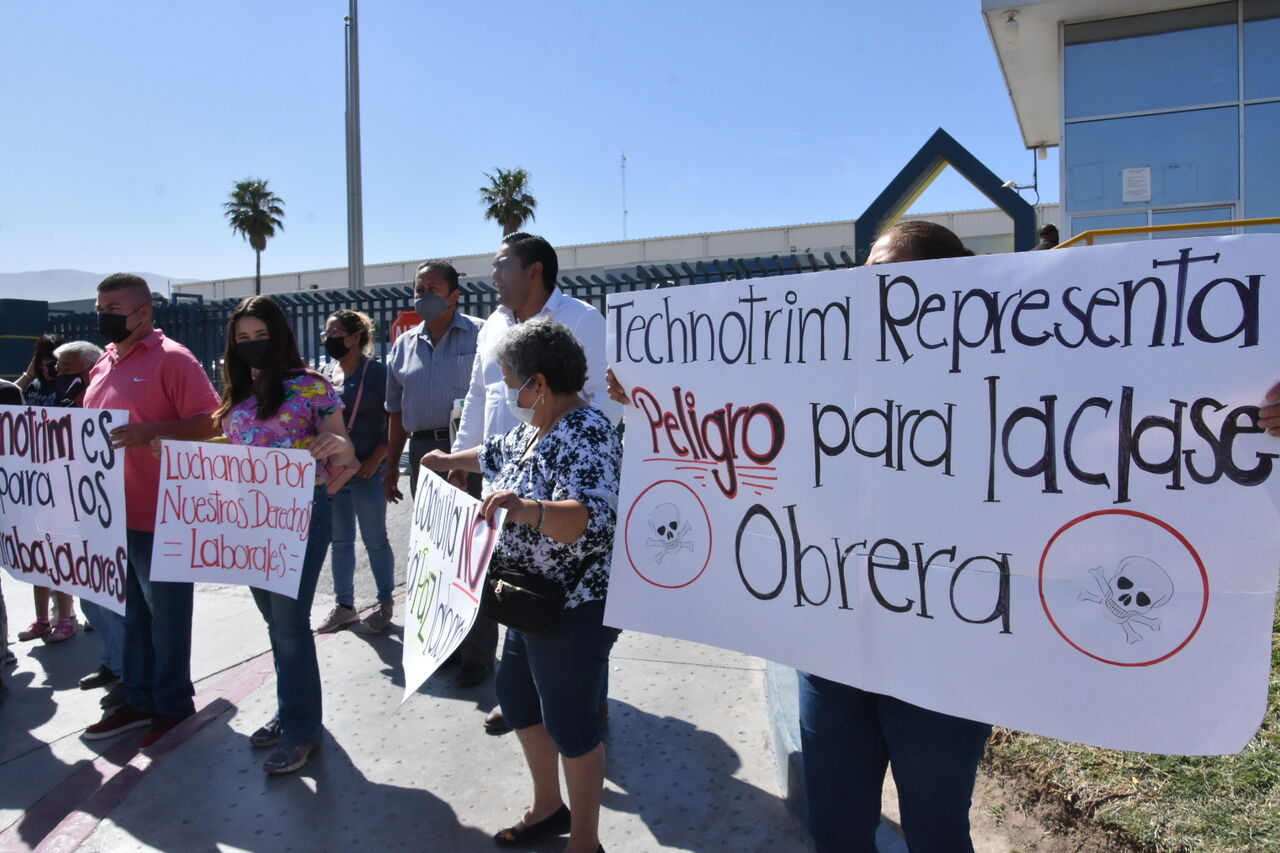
449, 549
62, 522
1025, 489
1136, 184
233, 514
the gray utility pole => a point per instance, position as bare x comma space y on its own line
355, 206
624, 195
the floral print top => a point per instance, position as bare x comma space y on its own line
579, 459
308, 399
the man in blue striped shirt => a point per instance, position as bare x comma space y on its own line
428, 368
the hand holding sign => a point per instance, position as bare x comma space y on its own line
450, 544
1269, 415
233, 514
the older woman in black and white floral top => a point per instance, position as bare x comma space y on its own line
557, 476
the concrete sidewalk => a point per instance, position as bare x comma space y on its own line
690, 761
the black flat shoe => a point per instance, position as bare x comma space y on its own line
521, 834
101, 678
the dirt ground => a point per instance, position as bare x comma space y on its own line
1010, 815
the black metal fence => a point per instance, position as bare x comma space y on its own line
201, 326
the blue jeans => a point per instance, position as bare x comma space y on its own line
559, 679
362, 500
110, 627
849, 736
292, 644
157, 636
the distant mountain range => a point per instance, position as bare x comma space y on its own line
69, 285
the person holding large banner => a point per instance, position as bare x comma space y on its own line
10, 395
850, 736
167, 394
271, 399
556, 475
47, 386
428, 368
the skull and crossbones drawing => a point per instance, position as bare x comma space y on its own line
1136, 587
669, 532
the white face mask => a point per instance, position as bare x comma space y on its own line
513, 403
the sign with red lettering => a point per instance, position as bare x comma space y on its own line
1013, 488
449, 549
62, 520
233, 514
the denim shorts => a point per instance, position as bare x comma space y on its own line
557, 679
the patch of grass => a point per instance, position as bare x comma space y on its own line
1163, 803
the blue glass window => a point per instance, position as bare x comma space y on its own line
1112, 220
1194, 158
1195, 214
1262, 49
1262, 160
1150, 62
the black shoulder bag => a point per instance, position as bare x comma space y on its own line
525, 601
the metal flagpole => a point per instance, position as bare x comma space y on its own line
355, 206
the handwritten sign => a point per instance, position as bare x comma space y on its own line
1025, 489
233, 514
449, 549
62, 501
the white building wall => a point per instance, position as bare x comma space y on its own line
984, 231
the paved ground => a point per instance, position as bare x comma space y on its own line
690, 761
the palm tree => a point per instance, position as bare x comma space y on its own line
507, 195
254, 212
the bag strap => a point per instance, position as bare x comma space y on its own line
351, 419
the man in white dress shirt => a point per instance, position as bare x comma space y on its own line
524, 272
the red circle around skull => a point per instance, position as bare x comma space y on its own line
1204, 578
667, 484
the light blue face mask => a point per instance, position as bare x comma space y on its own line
513, 403
429, 306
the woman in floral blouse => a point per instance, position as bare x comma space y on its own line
271, 399
556, 475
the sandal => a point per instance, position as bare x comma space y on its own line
521, 834
495, 723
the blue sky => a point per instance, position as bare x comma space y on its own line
126, 123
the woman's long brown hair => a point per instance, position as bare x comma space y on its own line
237, 381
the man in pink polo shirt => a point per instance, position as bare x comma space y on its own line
167, 394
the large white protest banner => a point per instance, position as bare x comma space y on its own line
450, 544
1025, 489
62, 501
233, 514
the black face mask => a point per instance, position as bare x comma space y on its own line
51, 367
68, 385
336, 347
254, 353
114, 327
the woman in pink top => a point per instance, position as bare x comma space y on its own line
271, 399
